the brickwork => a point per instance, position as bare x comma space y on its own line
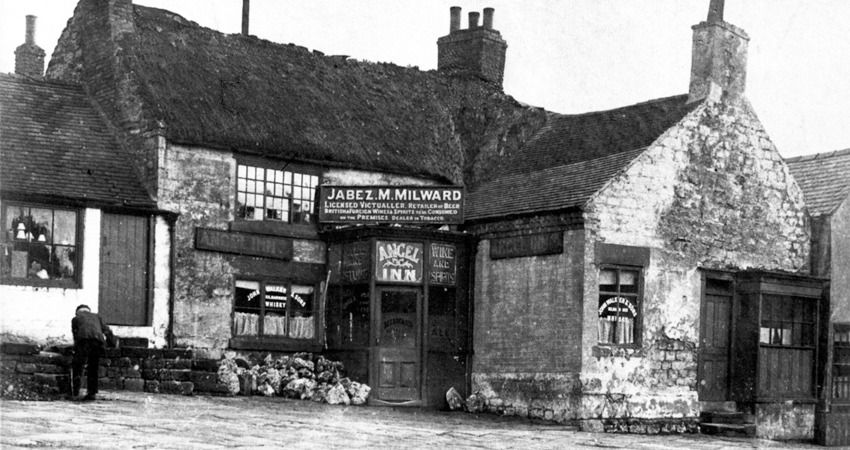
473, 52
527, 314
29, 60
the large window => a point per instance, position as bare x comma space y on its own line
274, 309
619, 306
275, 194
787, 321
39, 243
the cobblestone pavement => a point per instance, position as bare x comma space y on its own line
138, 420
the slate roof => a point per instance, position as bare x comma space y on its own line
572, 156
54, 144
236, 92
824, 179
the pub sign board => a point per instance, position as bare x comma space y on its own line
391, 204
398, 262
243, 243
527, 245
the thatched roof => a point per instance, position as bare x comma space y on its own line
55, 146
572, 156
252, 95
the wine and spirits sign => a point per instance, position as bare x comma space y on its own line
443, 264
391, 204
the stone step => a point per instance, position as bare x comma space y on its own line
728, 429
723, 406
726, 417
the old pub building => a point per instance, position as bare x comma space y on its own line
647, 268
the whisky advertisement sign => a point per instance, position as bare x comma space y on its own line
391, 204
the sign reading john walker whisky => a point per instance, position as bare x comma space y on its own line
391, 204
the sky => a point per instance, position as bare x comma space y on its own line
568, 56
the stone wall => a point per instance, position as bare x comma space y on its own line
199, 185
711, 192
784, 421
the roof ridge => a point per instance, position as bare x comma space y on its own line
600, 111
816, 156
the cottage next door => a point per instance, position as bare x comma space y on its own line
398, 353
124, 269
715, 338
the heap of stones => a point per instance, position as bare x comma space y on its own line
300, 376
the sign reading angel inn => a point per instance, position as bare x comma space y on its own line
391, 204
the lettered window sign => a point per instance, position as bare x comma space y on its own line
398, 262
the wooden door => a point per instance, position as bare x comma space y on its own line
715, 339
398, 355
124, 269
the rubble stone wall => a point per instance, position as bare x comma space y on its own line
784, 421
711, 192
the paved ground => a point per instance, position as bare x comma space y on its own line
138, 420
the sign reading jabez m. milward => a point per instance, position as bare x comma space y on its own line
391, 204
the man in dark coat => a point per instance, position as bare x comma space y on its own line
90, 337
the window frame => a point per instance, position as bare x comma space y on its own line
251, 341
772, 322
637, 341
73, 282
284, 167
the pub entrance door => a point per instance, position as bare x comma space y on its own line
398, 356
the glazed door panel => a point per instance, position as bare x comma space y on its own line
715, 341
398, 355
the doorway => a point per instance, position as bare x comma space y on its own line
397, 359
715, 337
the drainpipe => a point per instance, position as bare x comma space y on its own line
172, 263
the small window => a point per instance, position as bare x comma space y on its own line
275, 194
274, 309
619, 306
40, 244
787, 321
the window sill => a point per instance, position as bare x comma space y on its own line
274, 344
304, 231
38, 283
611, 350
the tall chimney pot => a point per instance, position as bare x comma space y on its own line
246, 7
454, 23
473, 20
30, 37
715, 11
488, 18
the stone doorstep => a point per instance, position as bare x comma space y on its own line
728, 429
727, 417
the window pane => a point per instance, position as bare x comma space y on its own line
240, 171
64, 261
296, 179
65, 227
241, 184
278, 176
43, 229
247, 295
260, 173
287, 177
302, 322
252, 172
608, 280
628, 281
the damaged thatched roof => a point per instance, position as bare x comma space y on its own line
55, 145
572, 156
824, 179
244, 93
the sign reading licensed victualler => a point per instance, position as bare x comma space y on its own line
391, 204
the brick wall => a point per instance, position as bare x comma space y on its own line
477, 53
29, 60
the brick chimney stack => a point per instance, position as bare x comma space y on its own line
719, 59
476, 52
29, 58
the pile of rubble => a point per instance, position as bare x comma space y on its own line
298, 376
